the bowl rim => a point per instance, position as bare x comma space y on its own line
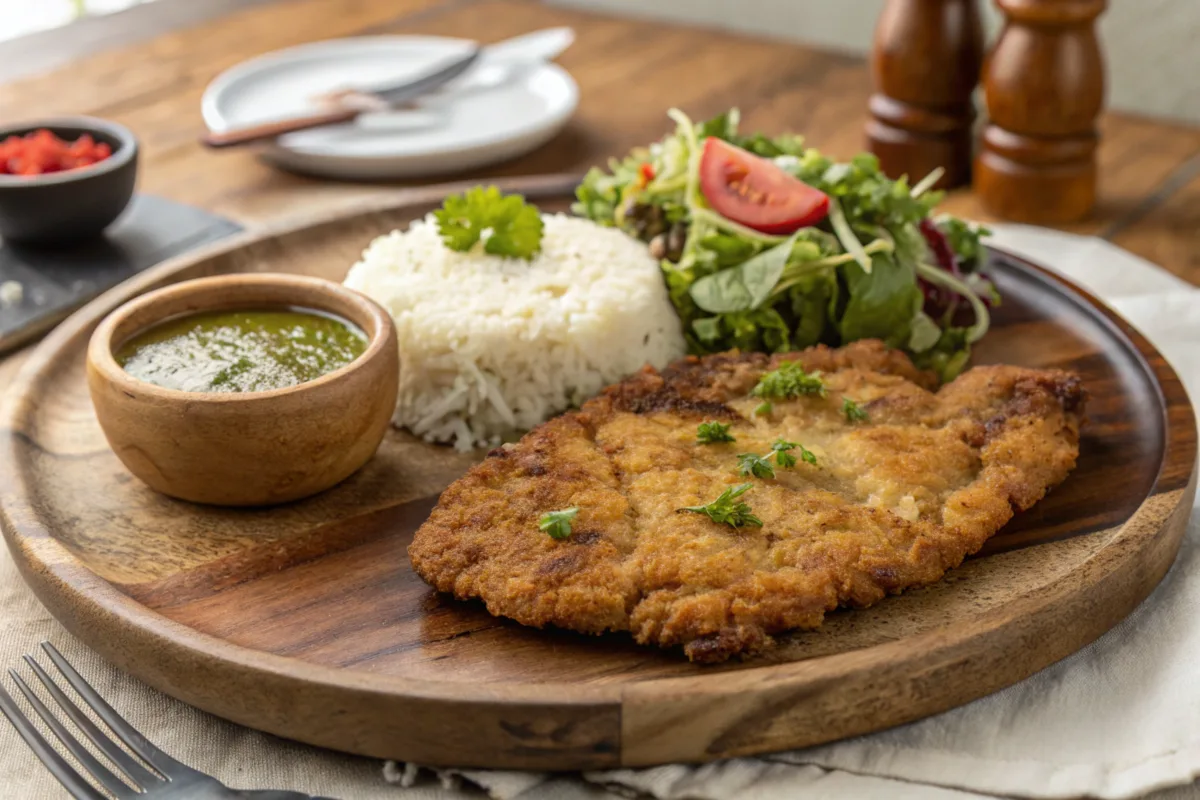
126, 151
308, 292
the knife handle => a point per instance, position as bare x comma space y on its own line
269, 130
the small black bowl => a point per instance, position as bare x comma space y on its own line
63, 207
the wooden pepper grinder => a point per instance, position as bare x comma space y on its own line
1044, 84
925, 63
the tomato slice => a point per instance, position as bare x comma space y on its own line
755, 192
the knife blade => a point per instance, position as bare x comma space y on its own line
495, 65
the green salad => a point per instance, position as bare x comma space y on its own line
768, 245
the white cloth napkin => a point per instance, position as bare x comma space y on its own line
1119, 719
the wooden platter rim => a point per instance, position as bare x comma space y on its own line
64, 584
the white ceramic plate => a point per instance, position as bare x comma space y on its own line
453, 131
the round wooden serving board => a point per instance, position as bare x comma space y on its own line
307, 620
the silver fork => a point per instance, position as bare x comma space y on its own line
167, 778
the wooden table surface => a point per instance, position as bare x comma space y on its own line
629, 72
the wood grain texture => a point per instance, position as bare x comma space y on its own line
1044, 87
307, 621
246, 449
925, 66
1169, 233
629, 70
46, 49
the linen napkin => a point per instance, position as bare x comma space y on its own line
1119, 719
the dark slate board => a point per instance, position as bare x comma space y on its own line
56, 281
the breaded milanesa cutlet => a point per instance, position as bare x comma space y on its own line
892, 502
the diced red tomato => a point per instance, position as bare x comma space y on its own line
646, 171
755, 192
42, 152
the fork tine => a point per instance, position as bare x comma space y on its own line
136, 772
124, 731
100, 772
58, 766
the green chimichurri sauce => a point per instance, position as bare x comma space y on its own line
251, 350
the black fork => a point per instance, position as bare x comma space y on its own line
159, 777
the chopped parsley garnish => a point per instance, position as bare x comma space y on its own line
789, 380
727, 509
806, 455
760, 466
782, 455
853, 412
713, 432
764, 409
507, 224
558, 523
756, 465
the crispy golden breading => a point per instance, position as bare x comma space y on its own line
892, 502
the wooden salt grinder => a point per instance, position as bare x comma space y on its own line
1044, 85
925, 64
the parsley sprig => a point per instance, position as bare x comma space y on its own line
507, 224
789, 380
853, 412
784, 457
728, 510
756, 465
558, 523
761, 467
713, 433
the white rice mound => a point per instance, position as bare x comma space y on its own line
492, 346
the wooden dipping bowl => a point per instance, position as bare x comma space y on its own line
251, 448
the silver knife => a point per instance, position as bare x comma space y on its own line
390, 95
496, 64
